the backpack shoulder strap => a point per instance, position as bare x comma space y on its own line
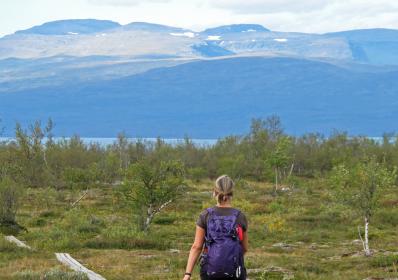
210, 214
236, 212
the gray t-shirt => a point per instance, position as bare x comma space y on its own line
221, 211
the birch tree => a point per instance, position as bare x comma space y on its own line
360, 187
151, 187
280, 158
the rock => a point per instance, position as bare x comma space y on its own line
287, 274
356, 242
380, 278
353, 254
324, 246
334, 258
283, 246
313, 246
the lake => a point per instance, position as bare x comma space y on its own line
109, 141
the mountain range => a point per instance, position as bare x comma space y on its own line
97, 78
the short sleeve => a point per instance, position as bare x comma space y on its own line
242, 220
201, 222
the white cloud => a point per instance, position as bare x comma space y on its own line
317, 16
125, 2
269, 6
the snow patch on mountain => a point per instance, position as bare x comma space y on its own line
281, 40
185, 34
213, 38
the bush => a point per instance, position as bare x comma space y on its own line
78, 177
166, 220
274, 275
39, 222
196, 173
385, 261
276, 207
50, 275
387, 217
126, 243
9, 198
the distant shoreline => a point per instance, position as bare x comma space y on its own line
105, 141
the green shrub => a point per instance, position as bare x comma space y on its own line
88, 228
387, 217
48, 214
10, 194
267, 275
385, 261
276, 207
50, 275
196, 173
38, 222
165, 220
127, 243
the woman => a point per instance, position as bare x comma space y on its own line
221, 237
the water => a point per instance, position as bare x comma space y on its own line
109, 141
172, 141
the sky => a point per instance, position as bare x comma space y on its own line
313, 16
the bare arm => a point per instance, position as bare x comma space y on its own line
196, 249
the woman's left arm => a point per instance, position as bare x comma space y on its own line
196, 249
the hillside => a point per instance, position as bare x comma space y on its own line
214, 98
298, 233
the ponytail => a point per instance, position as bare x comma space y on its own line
224, 188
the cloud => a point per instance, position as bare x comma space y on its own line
118, 3
313, 15
269, 6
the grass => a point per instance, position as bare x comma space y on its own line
100, 233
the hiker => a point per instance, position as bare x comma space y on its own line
221, 238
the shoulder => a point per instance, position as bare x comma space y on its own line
240, 212
202, 219
204, 213
242, 220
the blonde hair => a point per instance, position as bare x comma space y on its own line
224, 188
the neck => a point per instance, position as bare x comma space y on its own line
225, 204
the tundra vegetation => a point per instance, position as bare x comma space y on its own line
128, 210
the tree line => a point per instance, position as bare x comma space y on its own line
266, 152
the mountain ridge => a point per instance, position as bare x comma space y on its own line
214, 98
70, 27
88, 37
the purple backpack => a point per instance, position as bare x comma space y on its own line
224, 257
